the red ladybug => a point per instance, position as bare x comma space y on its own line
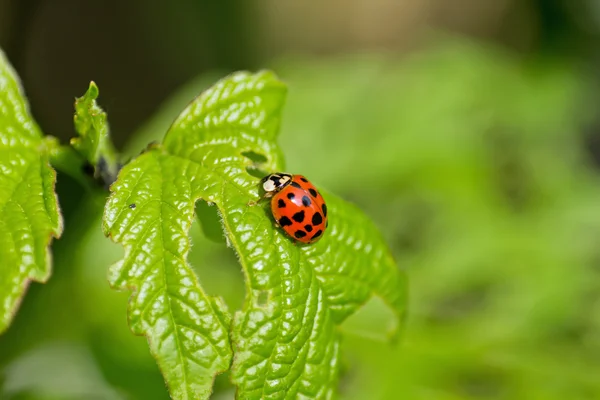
297, 206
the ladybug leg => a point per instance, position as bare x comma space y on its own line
253, 203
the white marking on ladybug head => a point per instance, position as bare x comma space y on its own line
269, 186
284, 180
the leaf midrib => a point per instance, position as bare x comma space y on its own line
164, 273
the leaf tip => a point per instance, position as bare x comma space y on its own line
88, 97
93, 92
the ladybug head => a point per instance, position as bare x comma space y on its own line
275, 182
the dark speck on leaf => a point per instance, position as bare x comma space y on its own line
132, 206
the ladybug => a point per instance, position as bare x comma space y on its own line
297, 207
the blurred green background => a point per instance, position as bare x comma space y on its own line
468, 130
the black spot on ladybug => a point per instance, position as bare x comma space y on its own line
317, 218
299, 234
285, 221
299, 216
296, 185
305, 201
303, 179
313, 192
316, 235
132, 206
291, 196
280, 203
324, 208
308, 227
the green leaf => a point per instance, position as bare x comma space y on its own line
150, 212
285, 339
94, 142
29, 214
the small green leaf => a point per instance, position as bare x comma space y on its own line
94, 142
29, 214
285, 339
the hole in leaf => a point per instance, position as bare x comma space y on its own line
262, 299
257, 159
217, 267
256, 172
223, 386
254, 157
210, 221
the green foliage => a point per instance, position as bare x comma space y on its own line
93, 142
284, 340
472, 163
29, 215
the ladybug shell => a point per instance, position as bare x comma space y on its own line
300, 210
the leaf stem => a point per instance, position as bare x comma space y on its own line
67, 160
